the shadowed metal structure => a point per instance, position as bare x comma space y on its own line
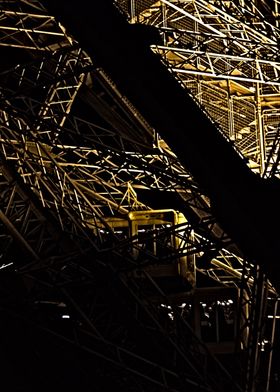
139, 195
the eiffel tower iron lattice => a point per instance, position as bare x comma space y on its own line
92, 198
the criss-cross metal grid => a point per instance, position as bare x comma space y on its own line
60, 168
226, 55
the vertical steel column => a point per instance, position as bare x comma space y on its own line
132, 11
199, 95
231, 113
255, 333
272, 344
276, 12
164, 21
260, 130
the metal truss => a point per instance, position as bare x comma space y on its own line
78, 187
158, 169
219, 65
61, 95
26, 25
21, 208
77, 190
62, 176
58, 197
256, 303
23, 220
21, 212
94, 331
53, 195
226, 55
195, 45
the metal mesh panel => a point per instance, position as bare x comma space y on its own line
124, 5
141, 5
245, 126
183, 24
241, 114
136, 6
244, 116
271, 119
215, 102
